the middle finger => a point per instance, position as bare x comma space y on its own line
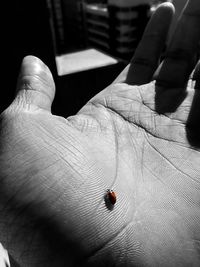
180, 58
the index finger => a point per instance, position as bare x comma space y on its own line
147, 55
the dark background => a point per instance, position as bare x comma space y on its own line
27, 31
29, 28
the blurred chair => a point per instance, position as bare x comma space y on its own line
115, 27
96, 25
127, 25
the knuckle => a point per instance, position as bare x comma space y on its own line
179, 54
146, 62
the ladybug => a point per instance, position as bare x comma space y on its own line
111, 196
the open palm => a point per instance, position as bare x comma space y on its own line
136, 137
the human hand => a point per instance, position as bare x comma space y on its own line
135, 137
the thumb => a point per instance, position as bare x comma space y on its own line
35, 86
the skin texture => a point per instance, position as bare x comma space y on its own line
140, 137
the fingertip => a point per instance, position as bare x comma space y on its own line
168, 4
35, 83
31, 58
151, 47
32, 65
166, 7
29, 63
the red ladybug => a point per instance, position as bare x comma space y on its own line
111, 196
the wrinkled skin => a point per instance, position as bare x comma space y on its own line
138, 137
